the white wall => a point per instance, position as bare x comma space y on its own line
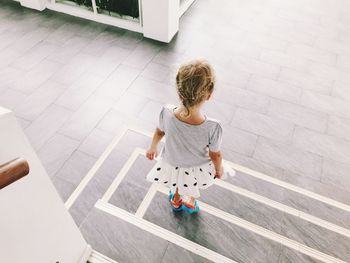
35, 227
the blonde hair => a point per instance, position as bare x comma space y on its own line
194, 81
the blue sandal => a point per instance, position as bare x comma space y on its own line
175, 209
190, 208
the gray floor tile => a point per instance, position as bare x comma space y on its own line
74, 96
120, 240
336, 174
154, 90
36, 76
326, 104
76, 167
134, 186
143, 54
130, 104
151, 112
176, 254
241, 97
74, 69
284, 60
46, 125
11, 98
277, 129
339, 127
68, 51
291, 256
63, 187
275, 89
299, 115
289, 158
56, 152
84, 120
36, 103
306, 81
34, 56
323, 188
96, 143
239, 141
105, 174
118, 82
215, 234
324, 145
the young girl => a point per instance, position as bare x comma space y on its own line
191, 159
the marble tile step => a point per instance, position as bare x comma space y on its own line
134, 186
106, 173
293, 199
135, 181
290, 226
220, 236
124, 242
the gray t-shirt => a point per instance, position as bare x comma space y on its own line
188, 145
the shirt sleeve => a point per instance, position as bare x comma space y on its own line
216, 139
161, 120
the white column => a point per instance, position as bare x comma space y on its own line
34, 4
35, 226
160, 19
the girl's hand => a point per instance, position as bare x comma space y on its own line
151, 153
219, 172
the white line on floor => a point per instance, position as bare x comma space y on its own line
291, 187
275, 181
264, 232
284, 208
228, 186
119, 178
97, 257
70, 201
163, 233
146, 201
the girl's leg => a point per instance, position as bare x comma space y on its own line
192, 200
177, 196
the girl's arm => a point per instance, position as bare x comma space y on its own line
157, 136
216, 158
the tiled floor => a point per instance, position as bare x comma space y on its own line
126, 242
283, 70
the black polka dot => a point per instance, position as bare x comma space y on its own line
176, 168
158, 169
209, 163
215, 177
204, 184
209, 173
195, 184
185, 185
156, 179
200, 169
186, 173
166, 182
208, 146
174, 184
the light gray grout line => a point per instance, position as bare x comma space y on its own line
80, 188
264, 232
162, 233
275, 181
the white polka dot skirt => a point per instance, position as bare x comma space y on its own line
188, 180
